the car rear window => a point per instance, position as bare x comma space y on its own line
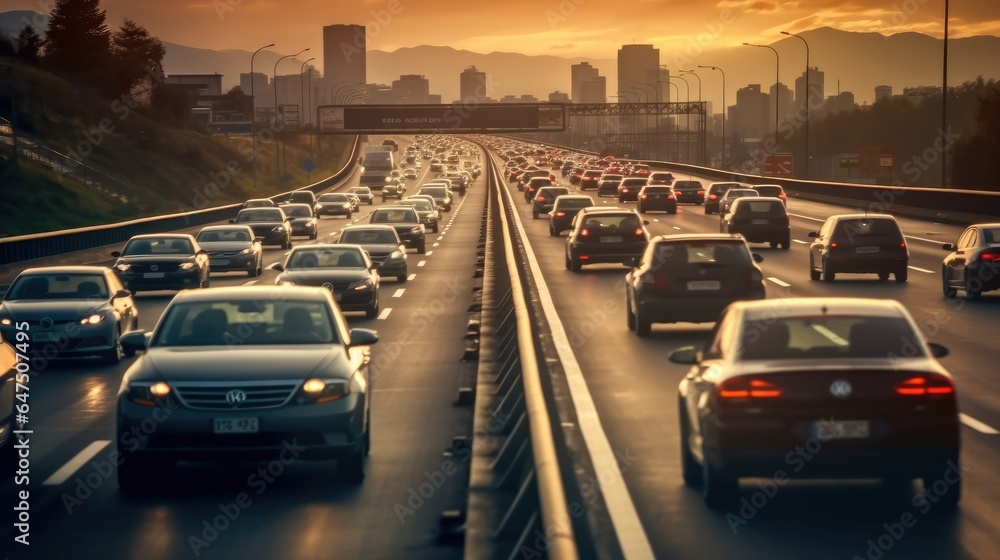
687, 184
573, 202
769, 191
867, 229
760, 207
612, 223
829, 337
658, 190
634, 182
677, 254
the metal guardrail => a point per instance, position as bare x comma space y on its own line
33, 246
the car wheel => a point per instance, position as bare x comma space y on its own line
690, 469
971, 293
286, 244
813, 273
674, 211
351, 468
114, 355
629, 314
718, 488
901, 275
205, 284
314, 234
951, 497
372, 311
349, 216
574, 265
534, 215
643, 326
421, 248
773, 244
552, 232
368, 433
946, 289
828, 275
786, 244
640, 209
435, 230
883, 276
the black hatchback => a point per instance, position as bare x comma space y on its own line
859, 243
606, 236
760, 220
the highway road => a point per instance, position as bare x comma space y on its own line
634, 388
302, 512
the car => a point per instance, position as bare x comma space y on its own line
759, 220
259, 203
303, 222
410, 173
164, 261
731, 195
589, 179
235, 374
776, 191
333, 204
576, 175
689, 191
301, 196
868, 390
690, 278
859, 243
355, 201
406, 222
545, 198
426, 211
384, 248
436, 166
628, 189
714, 192
10, 397
533, 185
232, 248
67, 312
524, 178
440, 193
656, 197
363, 193
640, 170
391, 190
564, 209
345, 270
459, 181
610, 236
270, 224
661, 178
608, 185
973, 264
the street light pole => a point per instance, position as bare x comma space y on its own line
302, 89
687, 116
723, 111
277, 154
253, 114
704, 136
808, 106
777, 81
944, 101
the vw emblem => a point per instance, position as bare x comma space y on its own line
840, 389
236, 397
46, 322
328, 286
154, 267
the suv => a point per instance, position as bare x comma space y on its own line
301, 196
731, 195
564, 209
657, 197
759, 220
606, 236
406, 222
441, 195
860, 243
715, 192
689, 191
545, 198
690, 278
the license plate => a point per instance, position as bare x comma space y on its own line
760, 222
848, 429
867, 250
218, 262
704, 285
45, 337
611, 239
153, 275
235, 426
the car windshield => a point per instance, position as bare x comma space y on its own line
827, 337
600, 223
333, 198
330, 257
224, 235
564, 203
298, 211
154, 246
238, 323
58, 286
384, 216
258, 216
368, 237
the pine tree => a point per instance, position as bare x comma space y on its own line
78, 40
137, 55
29, 43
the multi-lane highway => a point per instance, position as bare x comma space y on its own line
298, 510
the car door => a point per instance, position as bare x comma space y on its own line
959, 259
700, 383
819, 245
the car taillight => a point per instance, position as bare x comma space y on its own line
639, 232
902, 244
782, 196
701, 193
713, 196
990, 257
748, 388
833, 245
670, 197
540, 198
584, 232
560, 214
624, 189
925, 385
644, 197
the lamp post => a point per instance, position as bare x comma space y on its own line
678, 96
253, 114
643, 135
808, 106
944, 100
277, 154
302, 89
723, 111
777, 80
704, 137
687, 116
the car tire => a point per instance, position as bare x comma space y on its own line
718, 489
114, 355
205, 284
901, 275
828, 275
435, 230
674, 211
643, 326
573, 265
351, 468
883, 276
690, 469
552, 232
315, 234
947, 290
640, 209
534, 215
349, 216
786, 244
372, 311
629, 314
971, 294
949, 500
773, 244
421, 248
286, 244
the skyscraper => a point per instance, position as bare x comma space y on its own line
411, 88
344, 54
883, 92
472, 85
816, 89
785, 104
639, 70
593, 91
751, 112
580, 73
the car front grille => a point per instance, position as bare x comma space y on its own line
160, 267
212, 395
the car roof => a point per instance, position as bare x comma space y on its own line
168, 235
367, 227
818, 306
254, 293
296, 205
700, 237
64, 270
777, 186
750, 199
226, 227
864, 216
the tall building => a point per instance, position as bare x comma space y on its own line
580, 73
472, 84
639, 70
784, 103
344, 54
749, 115
411, 88
844, 101
883, 92
593, 91
816, 89
262, 92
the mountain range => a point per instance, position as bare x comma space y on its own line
851, 61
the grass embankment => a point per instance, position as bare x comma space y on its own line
167, 166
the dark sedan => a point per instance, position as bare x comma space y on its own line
428, 213
973, 265
850, 382
232, 249
68, 311
656, 197
363, 193
608, 185
237, 374
333, 204
270, 224
345, 270
384, 248
303, 221
607, 236
859, 243
545, 198
689, 191
406, 222
714, 194
164, 261
628, 189
564, 209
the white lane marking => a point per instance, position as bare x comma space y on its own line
656, 220
421, 263
429, 253
934, 241
832, 336
385, 313
779, 282
621, 509
977, 425
435, 245
411, 277
800, 242
74, 464
440, 237
271, 266
399, 292
918, 269
807, 217
677, 228
249, 282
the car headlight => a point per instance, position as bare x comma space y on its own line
246, 251
417, 230
92, 320
122, 267
361, 285
319, 206
150, 393
316, 390
397, 254
186, 266
6, 321
278, 229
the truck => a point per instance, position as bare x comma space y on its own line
377, 165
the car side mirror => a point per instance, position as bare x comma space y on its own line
645, 222
362, 337
756, 258
258, 239
813, 234
121, 293
116, 254
233, 221
685, 355
948, 247
937, 350
134, 341
278, 267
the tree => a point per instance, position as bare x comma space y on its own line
78, 40
136, 55
974, 157
236, 101
29, 44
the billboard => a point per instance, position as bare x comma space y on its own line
778, 164
458, 118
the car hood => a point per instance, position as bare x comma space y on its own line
379, 250
241, 362
33, 310
319, 276
224, 246
152, 259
